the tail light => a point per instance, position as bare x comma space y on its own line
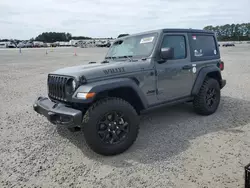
221, 65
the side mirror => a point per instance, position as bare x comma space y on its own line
167, 53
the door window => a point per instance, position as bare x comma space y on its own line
177, 42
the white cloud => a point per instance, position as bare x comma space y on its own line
108, 18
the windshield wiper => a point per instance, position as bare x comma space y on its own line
110, 57
126, 56
105, 61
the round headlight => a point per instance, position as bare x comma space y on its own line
71, 86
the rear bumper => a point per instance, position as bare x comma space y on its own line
223, 83
58, 113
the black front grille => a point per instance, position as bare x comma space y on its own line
56, 87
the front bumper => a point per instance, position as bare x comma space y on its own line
58, 113
223, 83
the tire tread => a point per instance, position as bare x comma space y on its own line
102, 102
198, 103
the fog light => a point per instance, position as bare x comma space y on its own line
85, 95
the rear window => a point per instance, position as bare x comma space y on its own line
203, 46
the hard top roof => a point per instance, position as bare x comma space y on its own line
187, 30
172, 30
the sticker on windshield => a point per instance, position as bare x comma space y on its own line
146, 40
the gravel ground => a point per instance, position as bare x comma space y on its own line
175, 147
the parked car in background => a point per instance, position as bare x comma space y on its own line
7, 44
29, 45
45, 45
3, 44
53, 44
11, 45
38, 44
21, 45
228, 44
103, 43
25, 44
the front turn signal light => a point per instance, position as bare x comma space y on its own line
85, 95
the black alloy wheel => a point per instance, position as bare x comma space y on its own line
110, 126
113, 128
211, 97
206, 102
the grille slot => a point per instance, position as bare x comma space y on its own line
56, 87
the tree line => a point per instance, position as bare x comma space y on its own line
50, 37
227, 32
58, 36
231, 32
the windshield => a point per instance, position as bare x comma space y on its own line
133, 46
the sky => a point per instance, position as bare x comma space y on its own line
24, 19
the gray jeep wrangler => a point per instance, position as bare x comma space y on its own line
140, 72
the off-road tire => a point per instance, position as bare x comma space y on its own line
97, 111
199, 103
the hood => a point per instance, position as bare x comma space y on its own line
101, 70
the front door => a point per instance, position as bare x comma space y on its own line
175, 77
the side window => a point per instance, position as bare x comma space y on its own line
178, 43
203, 46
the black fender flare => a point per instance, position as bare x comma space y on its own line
105, 85
201, 77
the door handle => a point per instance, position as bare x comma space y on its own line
187, 67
